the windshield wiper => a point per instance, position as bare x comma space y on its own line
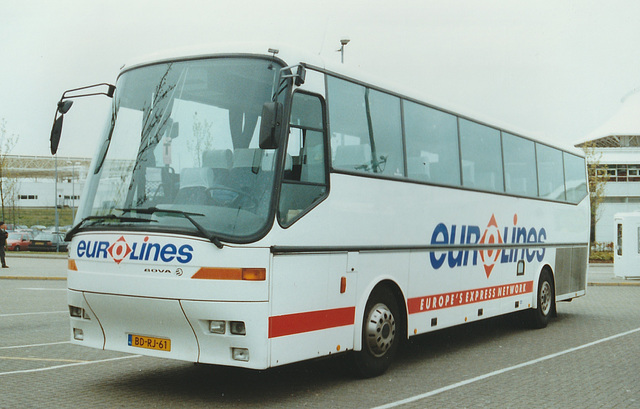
150, 210
82, 222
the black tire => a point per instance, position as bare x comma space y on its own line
381, 334
539, 317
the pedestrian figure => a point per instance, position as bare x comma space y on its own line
3, 242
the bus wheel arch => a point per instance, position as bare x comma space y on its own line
383, 330
545, 299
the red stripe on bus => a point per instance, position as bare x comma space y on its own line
299, 323
464, 297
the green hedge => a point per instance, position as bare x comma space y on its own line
30, 216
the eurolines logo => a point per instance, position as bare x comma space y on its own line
143, 251
469, 235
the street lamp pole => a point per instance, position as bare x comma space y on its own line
343, 42
55, 197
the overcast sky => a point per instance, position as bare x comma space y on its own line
551, 68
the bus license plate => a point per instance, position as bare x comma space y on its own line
141, 341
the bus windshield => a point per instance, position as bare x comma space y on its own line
184, 138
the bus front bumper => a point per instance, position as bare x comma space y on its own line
221, 333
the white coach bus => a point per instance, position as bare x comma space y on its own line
256, 208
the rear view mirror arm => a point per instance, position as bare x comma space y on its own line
109, 92
65, 104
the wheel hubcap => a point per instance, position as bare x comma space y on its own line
545, 298
380, 330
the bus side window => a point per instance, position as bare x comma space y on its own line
366, 129
304, 181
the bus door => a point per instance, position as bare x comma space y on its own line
313, 294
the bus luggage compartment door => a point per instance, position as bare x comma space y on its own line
148, 326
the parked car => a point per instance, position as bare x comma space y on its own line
48, 242
18, 241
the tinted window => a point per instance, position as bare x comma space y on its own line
575, 177
550, 173
432, 145
519, 165
481, 157
386, 133
306, 111
366, 132
304, 181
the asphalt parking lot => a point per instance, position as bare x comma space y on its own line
587, 357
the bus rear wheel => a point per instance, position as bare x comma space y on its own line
381, 329
539, 317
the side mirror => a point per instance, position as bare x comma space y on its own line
270, 125
56, 131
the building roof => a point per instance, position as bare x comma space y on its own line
44, 166
622, 129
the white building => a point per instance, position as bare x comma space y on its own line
617, 144
30, 180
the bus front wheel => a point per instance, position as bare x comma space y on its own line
539, 317
380, 334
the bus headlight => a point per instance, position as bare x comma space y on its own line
237, 328
78, 312
75, 312
217, 327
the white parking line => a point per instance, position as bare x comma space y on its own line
42, 289
34, 313
28, 358
501, 371
35, 345
68, 365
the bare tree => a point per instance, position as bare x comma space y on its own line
7, 182
597, 175
201, 138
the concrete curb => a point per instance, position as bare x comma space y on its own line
624, 284
31, 278
17, 254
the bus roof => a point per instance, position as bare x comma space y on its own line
288, 54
